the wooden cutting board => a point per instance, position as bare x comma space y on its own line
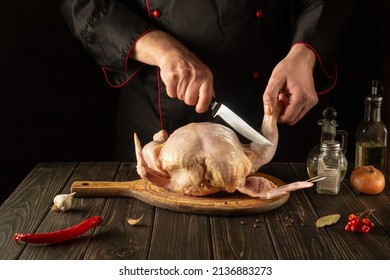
216, 204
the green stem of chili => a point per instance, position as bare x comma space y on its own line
60, 235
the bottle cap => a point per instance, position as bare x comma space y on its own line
375, 85
329, 117
330, 145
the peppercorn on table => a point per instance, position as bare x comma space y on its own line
286, 232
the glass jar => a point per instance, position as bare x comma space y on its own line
332, 164
328, 132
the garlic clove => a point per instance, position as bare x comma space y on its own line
133, 222
62, 202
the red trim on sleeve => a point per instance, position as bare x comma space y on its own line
159, 97
105, 69
331, 77
333, 84
133, 45
317, 55
148, 8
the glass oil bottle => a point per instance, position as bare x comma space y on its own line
328, 132
371, 135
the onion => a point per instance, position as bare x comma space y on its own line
367, 179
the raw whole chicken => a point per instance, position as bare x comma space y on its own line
204, 158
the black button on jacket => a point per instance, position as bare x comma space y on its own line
240, 40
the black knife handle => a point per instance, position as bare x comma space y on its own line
215, 105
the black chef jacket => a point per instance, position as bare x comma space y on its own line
240, 40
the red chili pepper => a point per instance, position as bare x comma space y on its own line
60, 235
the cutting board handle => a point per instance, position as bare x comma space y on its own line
107, 188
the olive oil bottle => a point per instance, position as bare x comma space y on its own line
371, 134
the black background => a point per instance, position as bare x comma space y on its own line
56, 106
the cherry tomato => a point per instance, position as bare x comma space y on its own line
365, 229
352, 217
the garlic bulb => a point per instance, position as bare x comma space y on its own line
62, 202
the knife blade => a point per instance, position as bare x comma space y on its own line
218, 109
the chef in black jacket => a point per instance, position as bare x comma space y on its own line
169, 57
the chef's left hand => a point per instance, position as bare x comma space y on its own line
292, 76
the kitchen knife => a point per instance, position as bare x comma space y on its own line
218, 109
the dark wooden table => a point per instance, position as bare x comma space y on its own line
288, 232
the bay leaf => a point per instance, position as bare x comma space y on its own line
327, 220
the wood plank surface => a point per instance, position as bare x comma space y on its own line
82, 209
180, 236
287, 232
242, 238
234, 237
24, 210
292, 226
380, 202
116, 239
351, 245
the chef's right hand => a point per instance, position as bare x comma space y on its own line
183, 74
